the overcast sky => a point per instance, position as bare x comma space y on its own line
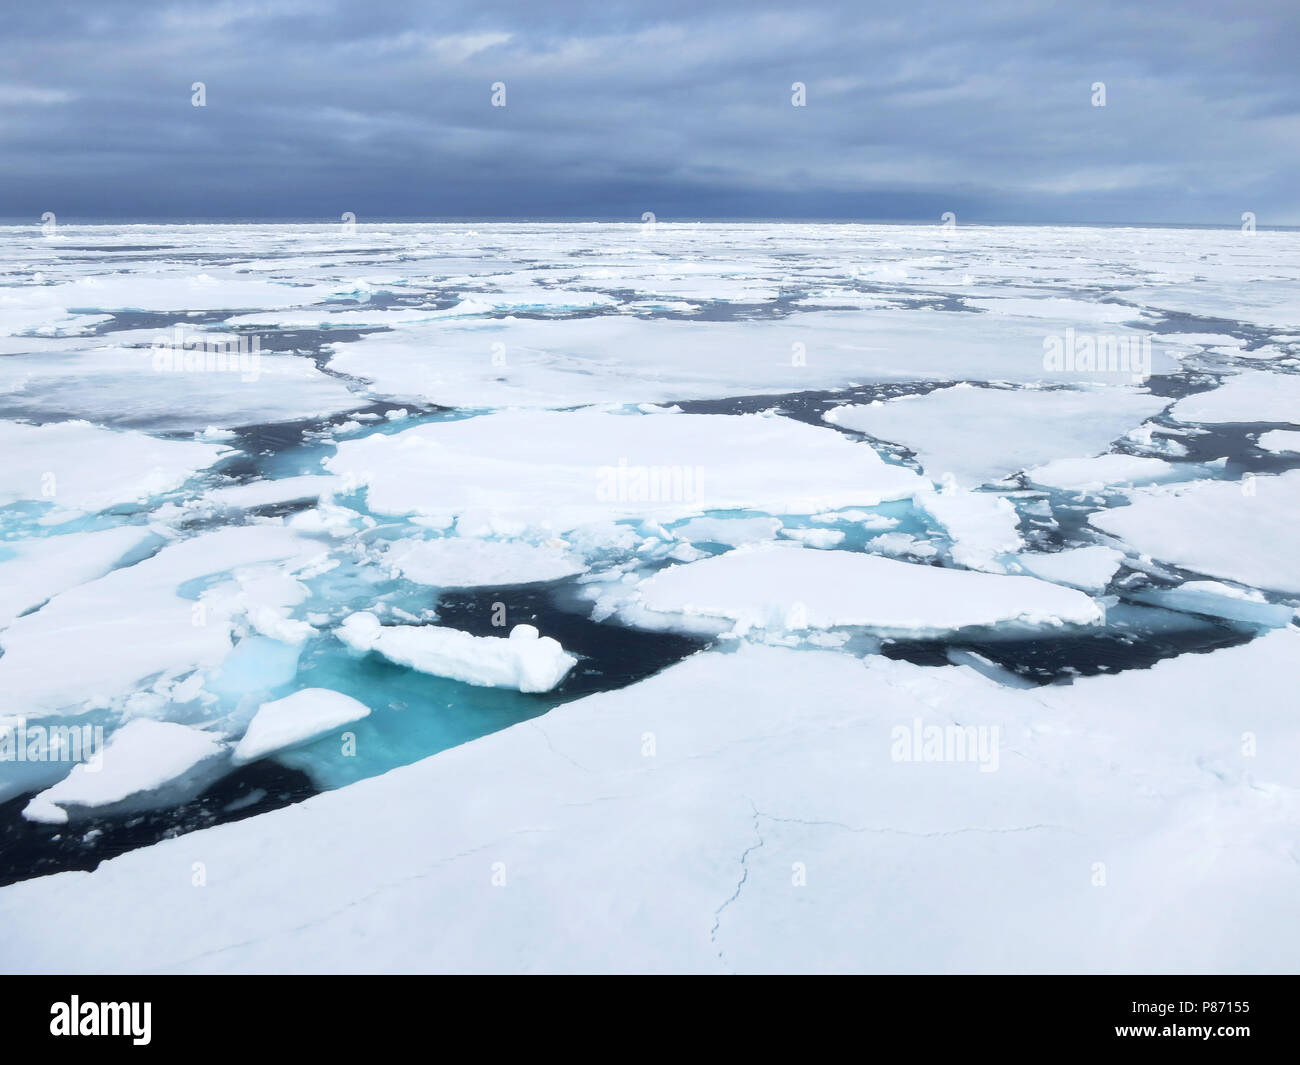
680, 107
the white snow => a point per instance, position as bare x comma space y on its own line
131, 624
79, 467
305, 715
1280, 441
44, 567
788, 588
142, 756
1241, 531
780, 831
462, 563
517, 470
525, 660
1087, 568
981, 525
1255, 396
731, 532
949, 429
1095, 474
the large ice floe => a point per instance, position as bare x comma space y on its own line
716, 598
791, 589
520, 470
768, 810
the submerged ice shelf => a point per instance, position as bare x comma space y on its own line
477, 476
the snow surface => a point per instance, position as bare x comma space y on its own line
142, 756
1094, 474
949, 427
522, 470
788, 588
1238, 531
132, 624
1281, 441
305, 715
456, 563
738, 811
41, 568
525, 660
1254, 396
1087, 568
78, 467
982, 525
777, 832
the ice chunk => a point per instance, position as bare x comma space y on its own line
819, 538
297, 718
1280, 441
897, 543
1095, 474
981, 525
135, 387
142, 756
559, 470
731, 532
268, 493
1255, 396
463, 563
1087, 568
1242, 531
980, 435
788, 588
1217, 600
618, 358
133, 624
80, 467
45, 567
525, 660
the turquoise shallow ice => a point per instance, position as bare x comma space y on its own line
476, 480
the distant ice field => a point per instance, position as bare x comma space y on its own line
286, 508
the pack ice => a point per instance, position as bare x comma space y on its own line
698, 598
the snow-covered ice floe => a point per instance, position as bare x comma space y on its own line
874, 484
518, 470
989, 807
142, 757
525, 660
305, 715
1241, 531
791, 589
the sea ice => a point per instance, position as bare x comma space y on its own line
1254, 396
1095, 474
305, 715
981, 435
1087, 568
681, 832
1241, 531
525, 661
140, 757
788, 588
1280, 441
79, 467
470, 563
522, 470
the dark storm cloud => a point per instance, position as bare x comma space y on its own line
683, 109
